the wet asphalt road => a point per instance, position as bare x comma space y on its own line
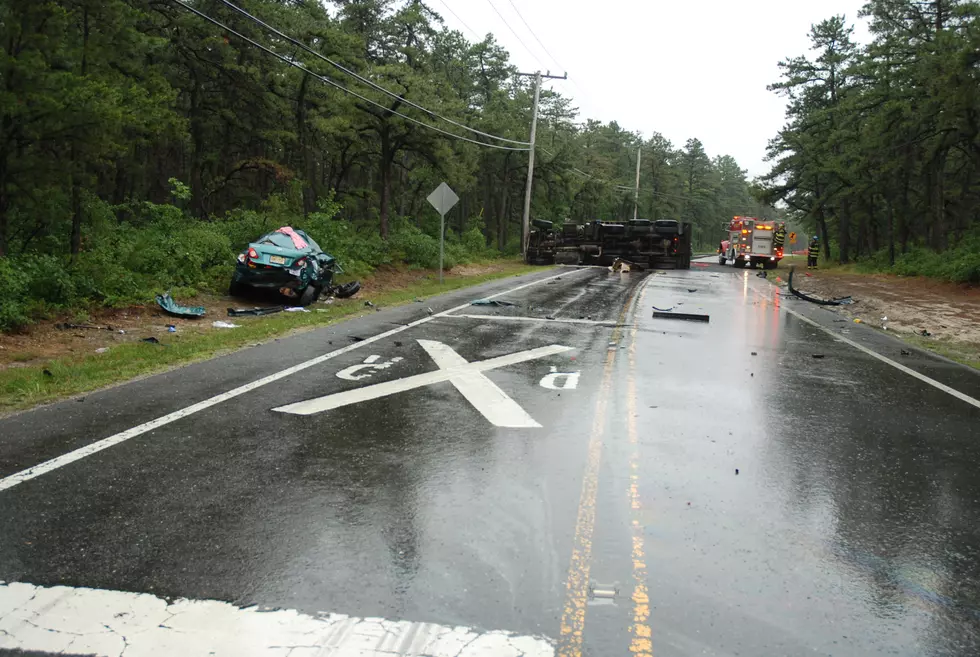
705, 489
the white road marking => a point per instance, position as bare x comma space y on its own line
569, 380
81, 621
921, 377
96, 447
480, 391
505, 318
370, 363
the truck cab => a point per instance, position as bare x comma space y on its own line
750, 242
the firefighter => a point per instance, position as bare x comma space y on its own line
812, 253
779, 236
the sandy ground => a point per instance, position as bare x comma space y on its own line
948, 312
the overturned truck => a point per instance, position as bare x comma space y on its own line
665, 243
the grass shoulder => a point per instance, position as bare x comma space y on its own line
28, 377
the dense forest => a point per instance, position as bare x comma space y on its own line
881, 152
142, 142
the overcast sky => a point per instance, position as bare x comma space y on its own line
694, 68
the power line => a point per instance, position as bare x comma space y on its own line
456, 16
341, 67
327, 80
616, 186
547, 52
516, 36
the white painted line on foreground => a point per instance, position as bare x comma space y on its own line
467, 377
505, 318
80, 621
874, 354
96, 447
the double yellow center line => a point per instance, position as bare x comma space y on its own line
572, 628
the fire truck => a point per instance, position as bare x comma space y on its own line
750, 243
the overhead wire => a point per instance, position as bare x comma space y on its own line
361, 78
461, 21
612, 184
332, 83
516, 35
543, 47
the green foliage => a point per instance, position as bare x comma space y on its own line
879, 154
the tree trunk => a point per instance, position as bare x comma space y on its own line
502, 216
385, 174
844, 231
76, 192
891, 235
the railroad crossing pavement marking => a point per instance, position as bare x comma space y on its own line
82, 621
50, 465
467, 377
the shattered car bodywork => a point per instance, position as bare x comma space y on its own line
291, 263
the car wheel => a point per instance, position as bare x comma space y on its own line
347, 290
309, 295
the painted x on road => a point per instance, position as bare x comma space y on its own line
467, 377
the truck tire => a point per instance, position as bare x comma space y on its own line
738, 263
721, 260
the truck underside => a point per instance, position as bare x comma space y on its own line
664, 244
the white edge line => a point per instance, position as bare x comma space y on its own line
922, 377
60, 461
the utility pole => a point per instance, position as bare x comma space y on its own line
526, 223
636, 194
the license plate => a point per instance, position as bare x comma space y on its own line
277, 260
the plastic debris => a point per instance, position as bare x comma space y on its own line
924, 333
171, 307
47, 373
857, 320
755, 353
692, 317
171, 328
817, 356
238, 312
65, 327
430, 311
296, 309
102, 350
221, 324
150, 340
500, 303
663, 310
906, 352
692, 289
736, 470
369, 304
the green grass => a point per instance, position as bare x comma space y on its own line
24, 387
961, 353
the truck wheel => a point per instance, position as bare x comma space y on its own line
721, 260
738, 263
769, 265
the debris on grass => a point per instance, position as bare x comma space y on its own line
239, 312
171, 307
221, 324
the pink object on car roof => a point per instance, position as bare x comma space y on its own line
298, 241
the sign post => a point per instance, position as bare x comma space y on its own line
442, 199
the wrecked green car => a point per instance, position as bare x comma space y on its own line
289, 262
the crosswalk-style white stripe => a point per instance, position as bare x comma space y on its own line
82, 621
